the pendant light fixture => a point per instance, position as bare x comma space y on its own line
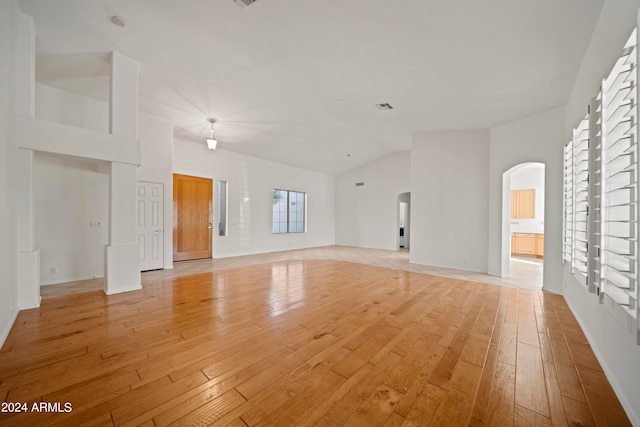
212, 142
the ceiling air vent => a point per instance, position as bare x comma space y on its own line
384, 106
244, 3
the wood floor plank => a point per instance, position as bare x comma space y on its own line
526, 418
424, 406
285, 400
531, 390
527, 329
454, 410
394, 420
361, 355
442, 374
256, 384
502, 401
145, 403
318, 413
508, 343
207, 414
556, 408
479, 413
476, 348
376, 409
570, 384
408, 370
578, 413
416, 391
341, 410
481, 402
316, 342
605, 407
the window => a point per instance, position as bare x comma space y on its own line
601, 190
581, 197
567, 206
289, 211
619, 182
222, 208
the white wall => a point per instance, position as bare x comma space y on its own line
538, 138
249, 220
610, 334
54, 175
9, 17
449, 206
367, 216
58, 106
250, 184
71, 196
71, 199
157, 166
530, 177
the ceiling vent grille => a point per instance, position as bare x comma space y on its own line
384, 106
244, 3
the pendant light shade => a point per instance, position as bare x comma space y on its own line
212, 142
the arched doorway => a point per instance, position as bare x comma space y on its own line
523, 201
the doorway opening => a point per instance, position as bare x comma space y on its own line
404, 221
523, 226
71, 223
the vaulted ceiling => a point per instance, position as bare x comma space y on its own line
297, 81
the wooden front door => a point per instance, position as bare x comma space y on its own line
192, 217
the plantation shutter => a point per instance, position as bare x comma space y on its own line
619, 182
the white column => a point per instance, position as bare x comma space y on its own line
122, 265
28, 255
123, 107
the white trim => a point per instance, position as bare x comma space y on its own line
5, 333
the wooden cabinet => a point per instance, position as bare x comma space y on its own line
524, 244
523, 204
540, 245
529, 244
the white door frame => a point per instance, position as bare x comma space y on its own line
151, 236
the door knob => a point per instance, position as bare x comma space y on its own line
160, 230
210, 226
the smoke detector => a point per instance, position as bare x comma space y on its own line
244, 3
118, 20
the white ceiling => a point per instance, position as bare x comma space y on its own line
296, 81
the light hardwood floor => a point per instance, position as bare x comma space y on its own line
306, 342
526, 273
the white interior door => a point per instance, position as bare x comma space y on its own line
150, 225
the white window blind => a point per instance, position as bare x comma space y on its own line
619, 182
567, 205
581, 198
595, 208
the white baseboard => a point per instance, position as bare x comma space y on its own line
67, 280
630, 409
5, 331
